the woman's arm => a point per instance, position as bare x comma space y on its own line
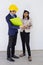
29, 23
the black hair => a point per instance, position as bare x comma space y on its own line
27, 12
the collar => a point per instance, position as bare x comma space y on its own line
12, 15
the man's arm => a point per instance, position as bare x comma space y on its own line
10, 25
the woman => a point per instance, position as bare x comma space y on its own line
25, 34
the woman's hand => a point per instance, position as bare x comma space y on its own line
28, 25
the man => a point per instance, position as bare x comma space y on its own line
12, 32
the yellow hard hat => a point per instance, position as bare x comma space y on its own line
13, 7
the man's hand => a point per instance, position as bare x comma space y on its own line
23, 27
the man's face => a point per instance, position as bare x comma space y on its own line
13, 12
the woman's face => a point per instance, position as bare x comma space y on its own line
25, 14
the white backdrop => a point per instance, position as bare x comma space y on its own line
36, 13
